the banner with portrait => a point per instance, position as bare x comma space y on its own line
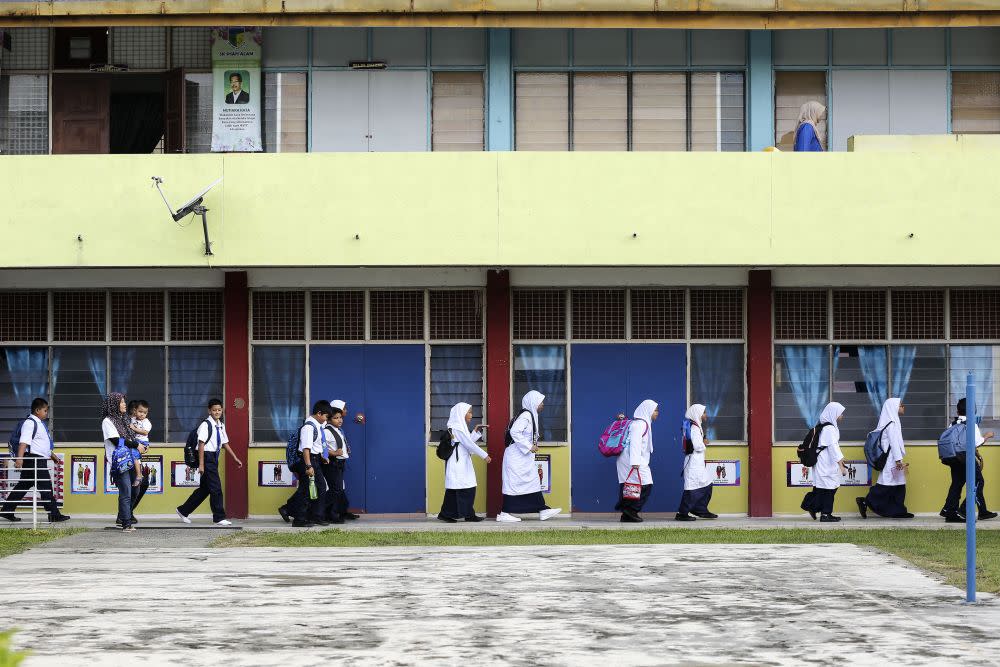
237, 90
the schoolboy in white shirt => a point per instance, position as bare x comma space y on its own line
212, 439
34, 450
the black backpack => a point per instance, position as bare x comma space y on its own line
445, 446
191, 445
508, 439
809, 450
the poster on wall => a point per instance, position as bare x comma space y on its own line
858, 474
9, 476
152, 467
109, 485
275, 473
83, 474
236, 90
181, 475
723, 473
544, 463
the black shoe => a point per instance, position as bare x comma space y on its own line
904, 515
812, 513
134, 521
58, 518
446, 519
319, 522
628, 518
829, 518
473, 519
943, 514
337, 520
351, 516
863, 507
10, 516
300, 523
706, 515
985, 515
283, 513
684, 517
118, 522
954, 518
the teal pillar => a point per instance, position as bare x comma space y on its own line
760, 94
500, 98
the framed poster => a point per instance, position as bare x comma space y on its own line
181, 475
109, 486
723, 473
858, 474
83, 474
152, 467
275, 473
544, 463
9, 477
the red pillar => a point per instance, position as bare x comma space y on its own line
759, 391
497, 380
236, 340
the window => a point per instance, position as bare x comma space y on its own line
716, 122
24, 114
539, 314
975, 102
801, 389
600, 112
136, 316
140, 373
397, 315
918, 314
279, 402
859, 314
658, 314
195, 374
659, 112
79, 384
29, 49
598, 314
541, 112
458, 112
975, 314
285, 102
919, 376
982, 361
456, 314
338, 315
279, 315
191, 48
139, 48
198, 112
196, 315
456, 377
717, 381
78, 316
861, 385
800, 315
25, 316
791, 91
717, 313
24, 376
543, 368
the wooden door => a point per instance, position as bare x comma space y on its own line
174, 120
81, 116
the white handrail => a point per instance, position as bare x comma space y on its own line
8, 485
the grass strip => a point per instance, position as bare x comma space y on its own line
16, 540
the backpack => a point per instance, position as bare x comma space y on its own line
293, 456
445, 446
508, 439
873, 448
952, 441
191, 445
809, 450
615, 438
686, 443
121, 458
14, 441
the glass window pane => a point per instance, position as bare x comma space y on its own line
458, 111
79, 384
279, 402
24, 376
191, 48
456, 377
717, 112
659, 112
198, 103
659, 48
140, 373
975, 46
285, 103
400, 46
801, 389
29, 49
800, 47
860, 384
791, 91
337, 47
859, 47
543, 368
975, 102
139, 47
599, 48
980, 360
541, 48
919, 376
718, 47
463, 47
541, 113
24, 114
285, 47
600, 112
918, 46
717, 378
195, 378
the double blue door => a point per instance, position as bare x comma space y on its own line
612, 378
386, 384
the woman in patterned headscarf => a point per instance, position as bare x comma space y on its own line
115, 431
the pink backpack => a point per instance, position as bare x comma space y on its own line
615, 438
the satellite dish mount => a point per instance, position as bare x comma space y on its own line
194, 205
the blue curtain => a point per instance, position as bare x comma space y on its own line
456, 376
280, 372
713, 367
876, 373
97, 362
122, 365
902, 367
29, 370
543, 367
809, 376
195, 377
979, 360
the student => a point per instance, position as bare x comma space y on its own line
697, 482
312, 444
887, 497
807, 129
342, 502
459, 475
35, 449
829, 468
212, 439
332, 469
522, 488
140, 426
634, 461
118, 440
954, 512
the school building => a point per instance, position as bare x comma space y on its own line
459, 201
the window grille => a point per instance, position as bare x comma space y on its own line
136, 316
657, 314
539, 314
198, 111
24, 316
975, 102
191, 47
139, 47
975, 314
24, 114
456, 315
29, 50
859, 314
397, 315
279, 315
78, 316
599, 314
338, 315
717, 313
196, 315
918, 314
800, 315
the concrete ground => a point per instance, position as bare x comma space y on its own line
164, 597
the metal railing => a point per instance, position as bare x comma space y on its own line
11, 476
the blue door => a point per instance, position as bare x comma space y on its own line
385, 383
616, 377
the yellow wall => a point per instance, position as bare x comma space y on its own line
265, 501
506, 209
926, 488
730, 499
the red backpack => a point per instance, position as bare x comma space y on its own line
615, 438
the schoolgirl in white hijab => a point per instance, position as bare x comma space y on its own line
459, 475
697, 482
887, 497
522, 487
634, 461
829, 468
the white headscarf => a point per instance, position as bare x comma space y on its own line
457, 423
645, 412
830, 414
530, 402
339, 404
694, 413
811, 112
890, 417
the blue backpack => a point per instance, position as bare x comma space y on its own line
293, 456
952, 441
121, 458
873, 448
14, 441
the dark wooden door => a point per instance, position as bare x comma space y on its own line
174, 118
81, 116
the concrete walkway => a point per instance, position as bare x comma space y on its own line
100, 599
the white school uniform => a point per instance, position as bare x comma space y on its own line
38, 443
695, 474
979, 436
216, 440
311, 438
826, 472
109, 432
892, 442
146, 426
342, 406
520, 474
640, 446
458, 470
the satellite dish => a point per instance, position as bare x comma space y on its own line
193, 205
